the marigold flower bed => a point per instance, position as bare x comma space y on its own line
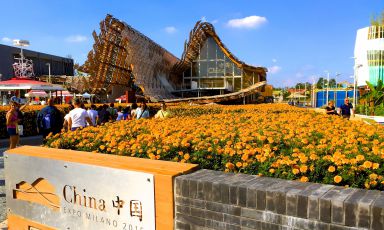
273, 140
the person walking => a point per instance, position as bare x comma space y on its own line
49, 120
120, 115
346, 109
78, 117
93, 114
112, 112
11, 123
19, 106
163, 112
133, 110
330, 109
127, 113
103, 114
142, 111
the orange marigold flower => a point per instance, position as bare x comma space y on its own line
367, 164
239, 164
245, 157
304, 179
187, 156
373, 176
337, 179
272, 170
303, 168
360, 157
375, 165
331, 169
102, 147
295, 171
229, 165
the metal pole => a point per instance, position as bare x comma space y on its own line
49, 72
327, 87
354, 87
305, 93
335, 95
323, 91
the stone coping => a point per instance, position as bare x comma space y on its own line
209, 198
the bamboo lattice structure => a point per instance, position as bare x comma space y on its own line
122, 56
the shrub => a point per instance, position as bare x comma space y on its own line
273, 140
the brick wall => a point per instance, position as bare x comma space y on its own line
215, 200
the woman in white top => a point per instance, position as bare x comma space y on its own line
142, 111
78, 117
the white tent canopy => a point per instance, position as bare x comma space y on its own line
296, 95
86, 95
15, 84
36, 93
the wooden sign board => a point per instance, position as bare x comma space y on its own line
54, 189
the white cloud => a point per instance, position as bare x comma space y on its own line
250, 22
274, 69
215, 21
6, 40
170, 29
76, 39
274, 60
203, 19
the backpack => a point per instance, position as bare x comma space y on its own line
47, 121
112, 113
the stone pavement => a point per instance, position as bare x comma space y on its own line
4, 143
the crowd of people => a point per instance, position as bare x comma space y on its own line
50, 119
79, 117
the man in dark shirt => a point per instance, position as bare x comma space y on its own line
345, 109
49, 120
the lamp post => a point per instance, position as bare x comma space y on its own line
354, 84
335, 93
327, 86
49, 72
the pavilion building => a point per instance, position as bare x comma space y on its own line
122, 59
369, 55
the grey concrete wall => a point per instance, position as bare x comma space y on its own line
215, 200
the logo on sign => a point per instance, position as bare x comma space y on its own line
40, 191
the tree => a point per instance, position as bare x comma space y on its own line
375, 96
321, 83
378, 20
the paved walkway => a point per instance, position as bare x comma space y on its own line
33, 140
4, 143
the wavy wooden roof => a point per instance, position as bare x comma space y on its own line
198, 35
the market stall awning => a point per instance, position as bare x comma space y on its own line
121, 98
296, 95
15, 84
65, 93
36, 93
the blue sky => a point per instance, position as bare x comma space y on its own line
297, 40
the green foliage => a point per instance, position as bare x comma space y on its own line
376, 94
377, 20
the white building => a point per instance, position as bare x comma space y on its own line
369, 55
